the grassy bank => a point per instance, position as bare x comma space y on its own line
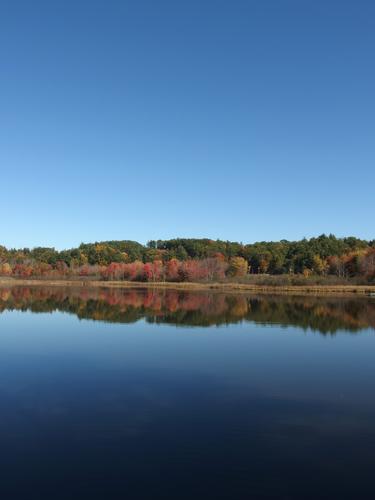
227, 286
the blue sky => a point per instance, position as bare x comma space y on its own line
242, 120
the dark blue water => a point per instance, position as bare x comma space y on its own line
143, 395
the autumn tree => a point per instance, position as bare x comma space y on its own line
238, 267
5, 269
320, 266
172, 270
367, 265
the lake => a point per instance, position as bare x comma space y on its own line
144, 394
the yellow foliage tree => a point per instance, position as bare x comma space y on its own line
5, 269
238, 267
320, 265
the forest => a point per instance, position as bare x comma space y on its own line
189, 259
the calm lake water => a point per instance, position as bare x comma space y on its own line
139, 394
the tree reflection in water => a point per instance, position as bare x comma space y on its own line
326, 314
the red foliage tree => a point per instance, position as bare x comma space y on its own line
172, 270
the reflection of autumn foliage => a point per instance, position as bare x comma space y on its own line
325, 314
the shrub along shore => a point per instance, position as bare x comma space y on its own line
301, 288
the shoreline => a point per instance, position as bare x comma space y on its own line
190, 286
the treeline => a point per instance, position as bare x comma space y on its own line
195, 259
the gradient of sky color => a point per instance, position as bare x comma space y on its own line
239, 119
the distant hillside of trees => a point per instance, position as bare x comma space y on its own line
190, 259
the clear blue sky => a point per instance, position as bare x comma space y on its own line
240, 119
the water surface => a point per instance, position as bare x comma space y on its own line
108, 393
